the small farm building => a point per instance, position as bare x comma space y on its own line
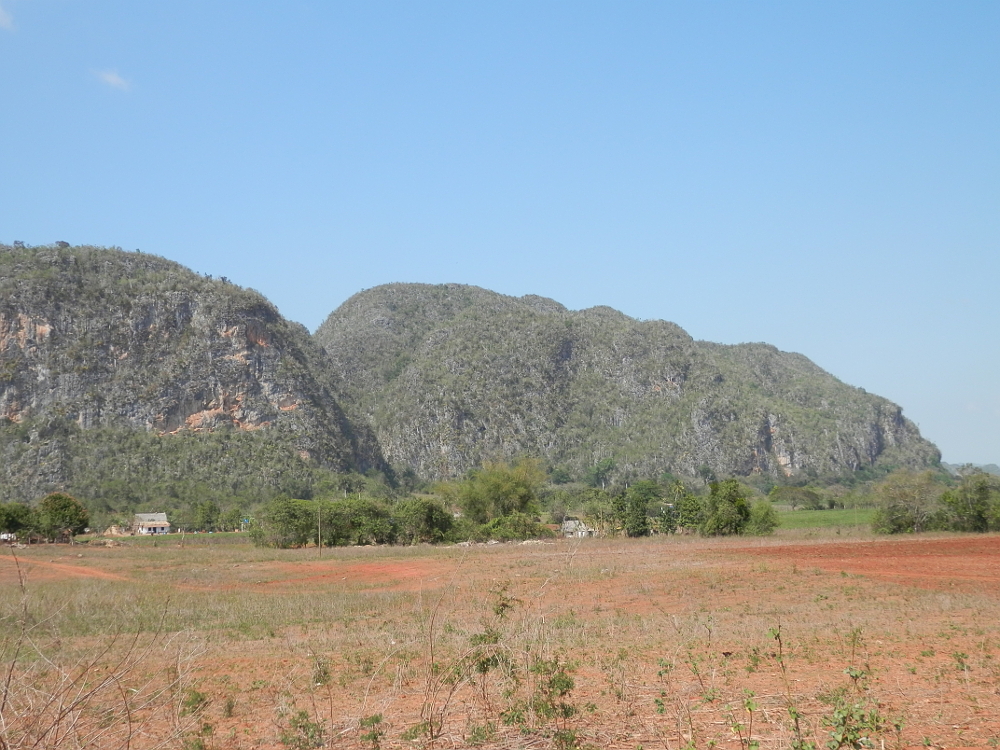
150, 523
573, 527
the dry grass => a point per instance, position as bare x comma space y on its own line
664, 641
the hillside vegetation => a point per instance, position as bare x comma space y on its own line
450, 376
128, 377
135, 384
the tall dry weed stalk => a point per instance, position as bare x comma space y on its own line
110, 696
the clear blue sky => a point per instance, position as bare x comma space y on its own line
821, 176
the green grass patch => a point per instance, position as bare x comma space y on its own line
815, 519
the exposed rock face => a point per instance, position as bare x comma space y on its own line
448, 376
93, 338
123, 373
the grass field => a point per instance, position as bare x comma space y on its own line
814, 519
675, 642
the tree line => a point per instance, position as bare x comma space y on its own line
57, 516
513, 501
506, 502
910, 501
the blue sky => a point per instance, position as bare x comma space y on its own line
821, 176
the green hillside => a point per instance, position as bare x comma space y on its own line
449, 376
127, 374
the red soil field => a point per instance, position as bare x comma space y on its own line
664, 639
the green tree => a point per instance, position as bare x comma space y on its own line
499, 490
206, 516
17, 519
795, 497
975, 504
285, 522
367, 521
61, 515
421, 520
599, 474
727, 511
513, 527
706, 474
633, 510
596, 506
907, 501
232, 519
560, 475
689, 509
763, 518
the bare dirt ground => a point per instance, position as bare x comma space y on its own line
669, 643
970, 563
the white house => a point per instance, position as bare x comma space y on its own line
150, 523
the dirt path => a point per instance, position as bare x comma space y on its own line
35, 570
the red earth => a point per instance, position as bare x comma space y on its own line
665, 639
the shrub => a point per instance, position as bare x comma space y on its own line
726, 509
907, 501
421, 520
763, 519
284, 522
17, 519
61, 515
498, 490
975, 504
513, 527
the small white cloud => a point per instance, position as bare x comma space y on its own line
112, 79
6, 19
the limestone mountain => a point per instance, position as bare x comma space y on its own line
448, 376
128, 370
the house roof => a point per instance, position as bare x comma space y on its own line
151, 518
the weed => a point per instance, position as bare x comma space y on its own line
481, 734
616, 670
515, 715
745, 731
303, 733
565, 739
665, 668
51, 694
552, 690
194, 701
321, 672
961, 661
416, 732
503, 602
854, 726
376, 731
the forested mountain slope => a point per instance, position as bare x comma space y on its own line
448, 376
124, 374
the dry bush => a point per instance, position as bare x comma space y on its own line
118, 691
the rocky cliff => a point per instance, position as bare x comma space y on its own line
102, 342
126, 377
448, 376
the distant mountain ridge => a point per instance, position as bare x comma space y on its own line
448, 376
988, 468
125, 377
